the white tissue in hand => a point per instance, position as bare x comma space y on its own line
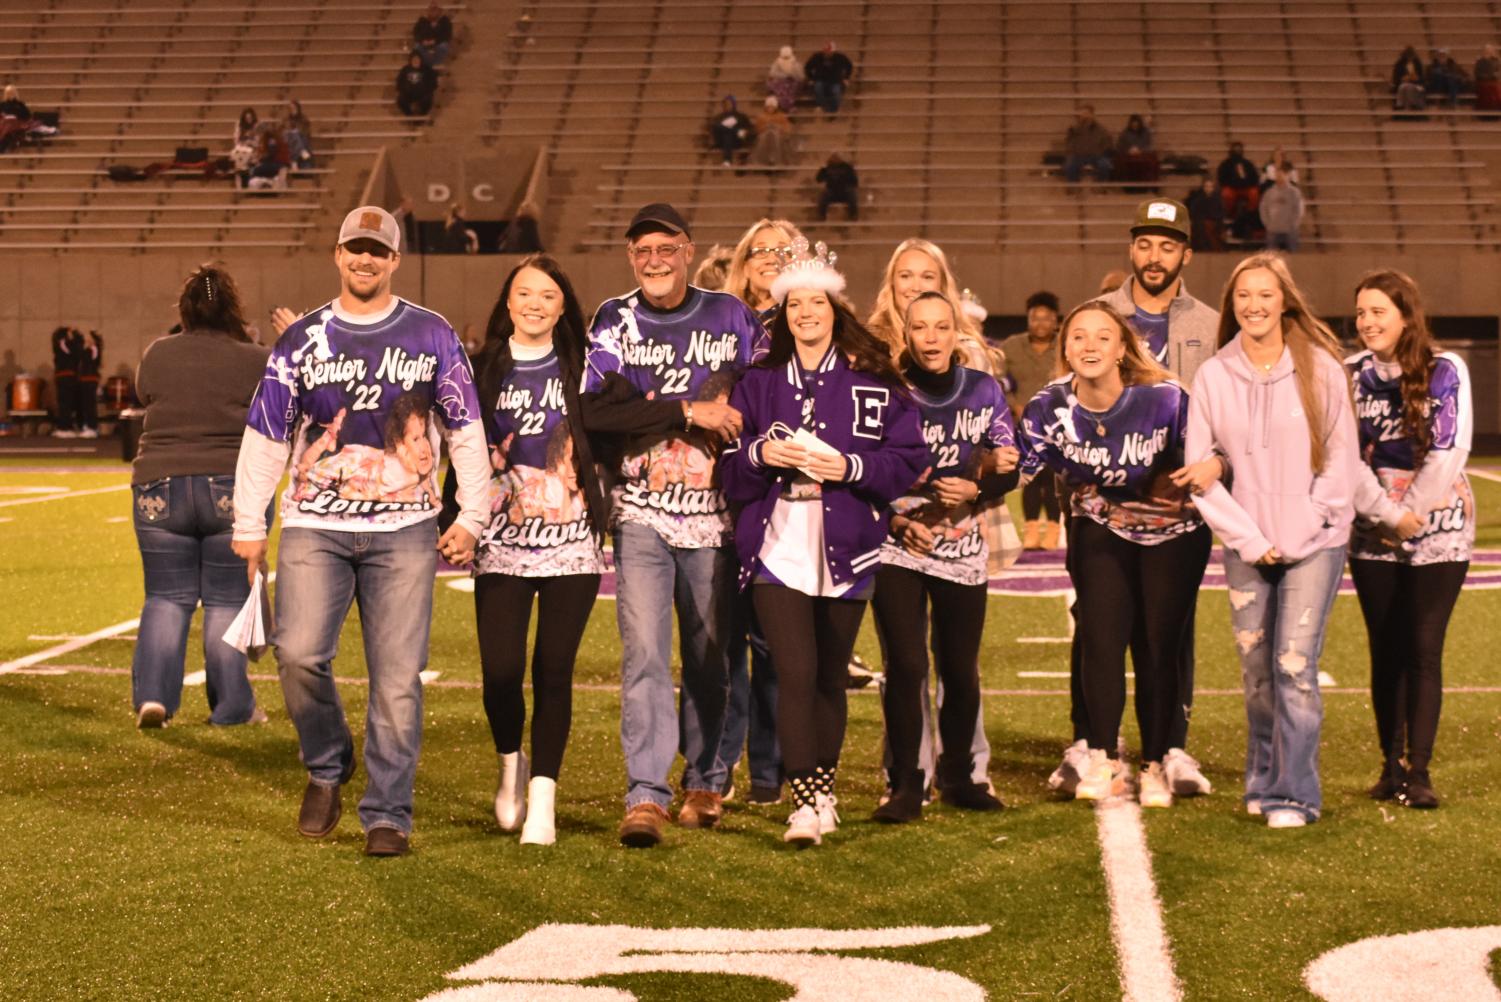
248, 633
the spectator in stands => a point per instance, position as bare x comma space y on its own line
785, 78
1447, 77
16, 120
522, 234
1407, 63
1111, 280
1282, 214
1240, 188
774, 140
416, 83
11, 105
841, 186
1488, 80
1278, 163
272, 160
432, 36
1208, 215
1411, 95
714, 268
1135, 159
730, 129
297, 129
830, 70
1087, 143
457, 237
245, 127
196, 386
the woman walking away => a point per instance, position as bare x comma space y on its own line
934, 563
196, 387
1274, 404
830, 438
1411, 546
1114, 428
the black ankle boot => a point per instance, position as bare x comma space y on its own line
972, 797
1390, 783
1418, 791
906, 801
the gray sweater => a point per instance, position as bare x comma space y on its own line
196, 388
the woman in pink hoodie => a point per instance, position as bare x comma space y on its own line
1274, 406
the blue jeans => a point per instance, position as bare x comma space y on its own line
828, 94
390, 574
752, 709
1073, 167
651, 578
1279, 615
183, 529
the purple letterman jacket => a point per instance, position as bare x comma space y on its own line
875, 425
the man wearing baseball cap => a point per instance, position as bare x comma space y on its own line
672, 341
1181, 333
355, 395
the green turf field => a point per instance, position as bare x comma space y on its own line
167, 865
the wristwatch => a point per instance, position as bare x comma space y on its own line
688, 415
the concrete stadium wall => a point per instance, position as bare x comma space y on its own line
131, 298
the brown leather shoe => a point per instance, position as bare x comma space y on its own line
701, 809
643, 826
321, 808
385, 842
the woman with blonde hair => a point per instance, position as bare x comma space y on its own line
918, 266
1113, 426
1274, 405
759, 255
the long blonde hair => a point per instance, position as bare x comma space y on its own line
886, 319
1138, 368
737, 277
1303, 333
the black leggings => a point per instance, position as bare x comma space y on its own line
503, 612
1040, 495
1406, 611
1129, 590
901, 606
811, 640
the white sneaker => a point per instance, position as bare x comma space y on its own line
540, 828
1284, 818
510, 791
1065, 778
1154, 790
150, 715
1183, 775
64, 433
1103, 777
802, 827
1253, 808
828, 817
89, 433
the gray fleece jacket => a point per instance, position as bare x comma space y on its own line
1192, 329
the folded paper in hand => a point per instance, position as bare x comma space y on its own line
815, 446
251, 630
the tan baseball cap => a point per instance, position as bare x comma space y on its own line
1162, 215
371, 222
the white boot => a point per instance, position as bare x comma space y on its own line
540, 829
510, 794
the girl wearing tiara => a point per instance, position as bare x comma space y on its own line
830, 438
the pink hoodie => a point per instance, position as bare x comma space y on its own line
1255, 422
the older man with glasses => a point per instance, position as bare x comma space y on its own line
672, 341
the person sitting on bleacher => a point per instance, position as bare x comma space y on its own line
432, 36
774, 146
297, 130
830, 71
17, 122
1087, 143
1135, 159
1488, 80
1447, 77
1240, 189
1411, 95
272, 159
1407, 63
784, 80
841, 185
416, 83
730, 129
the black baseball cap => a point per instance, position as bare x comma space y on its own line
657, 217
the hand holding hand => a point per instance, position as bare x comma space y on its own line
1270, 557
719, 418
457, 545
1004, 459
955, 490
1409, 526
917, 539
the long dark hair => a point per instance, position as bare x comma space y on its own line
1414, 352
210, 301
865, 352
494, 363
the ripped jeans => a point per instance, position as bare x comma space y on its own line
1279, 615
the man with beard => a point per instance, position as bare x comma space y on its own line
1181, 333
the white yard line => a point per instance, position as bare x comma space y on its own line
68, 646
1485, 475
69, 494
1146, 960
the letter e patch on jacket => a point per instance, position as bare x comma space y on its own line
870, 408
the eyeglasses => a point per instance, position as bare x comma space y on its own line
665, 252
780, 253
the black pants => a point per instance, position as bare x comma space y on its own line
87, 402
417, 105
848, 197
1406, 611
1131, 590
901, 605
811, 640
67, 401
1038, 496
503, 612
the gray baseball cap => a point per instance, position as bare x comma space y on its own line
371, 222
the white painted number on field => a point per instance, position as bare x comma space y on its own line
1436, 965
541, 964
